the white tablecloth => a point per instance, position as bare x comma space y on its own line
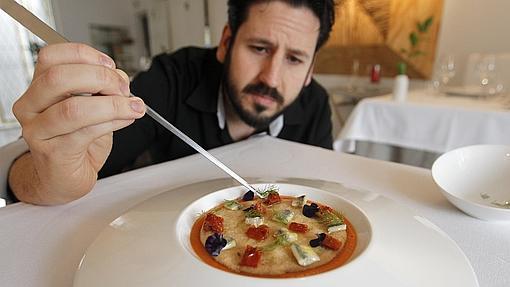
42, 246
435, 123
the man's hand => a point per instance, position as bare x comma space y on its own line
69, 137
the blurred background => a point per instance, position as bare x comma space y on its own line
442, 42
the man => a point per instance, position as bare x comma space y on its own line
258, 79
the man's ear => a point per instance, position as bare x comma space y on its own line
226, 38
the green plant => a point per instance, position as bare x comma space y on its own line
416, 37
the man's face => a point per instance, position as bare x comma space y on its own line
269, 61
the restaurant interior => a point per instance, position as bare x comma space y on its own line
419, 93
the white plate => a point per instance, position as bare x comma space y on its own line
149, 245
476, 180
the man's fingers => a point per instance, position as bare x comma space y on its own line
123, 75
70, 53
59, 82
78, 112
83, 137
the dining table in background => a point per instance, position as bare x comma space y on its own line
42, 246
427, 121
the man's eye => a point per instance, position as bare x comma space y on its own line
294, 60
260, 49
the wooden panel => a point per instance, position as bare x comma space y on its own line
376, 32
354, 26
339, 60
379, 12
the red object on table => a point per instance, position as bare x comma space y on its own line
375, 74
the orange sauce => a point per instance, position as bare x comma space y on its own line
337, 261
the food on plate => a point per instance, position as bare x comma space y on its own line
273, 235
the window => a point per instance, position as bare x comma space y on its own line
18, 52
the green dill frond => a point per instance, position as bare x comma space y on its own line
252, 213
329, 218
268, 189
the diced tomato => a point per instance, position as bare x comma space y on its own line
272, 198
298, 227
331, 242
213, 223
251, 256
259, 207
258, 233
326, 208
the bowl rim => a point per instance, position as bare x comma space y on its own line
448, 193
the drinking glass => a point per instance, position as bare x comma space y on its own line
444, 73
488, 78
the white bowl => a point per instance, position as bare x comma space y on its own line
476, 179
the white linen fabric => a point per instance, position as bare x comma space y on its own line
425, 122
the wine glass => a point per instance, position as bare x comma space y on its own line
444, 73
488, 78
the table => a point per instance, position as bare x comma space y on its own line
345, 98
435, 123
42, 246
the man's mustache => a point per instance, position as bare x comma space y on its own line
265, 90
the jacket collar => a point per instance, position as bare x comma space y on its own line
295, 113
205, 97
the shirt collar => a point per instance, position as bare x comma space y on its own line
275, 127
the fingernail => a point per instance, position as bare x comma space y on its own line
105, 61
137, 106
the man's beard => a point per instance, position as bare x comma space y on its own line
253, 119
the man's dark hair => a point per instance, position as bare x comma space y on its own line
324, 10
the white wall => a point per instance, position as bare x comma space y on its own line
187, 19
474, 26
73, 17
172, 23
158, 12
217, 19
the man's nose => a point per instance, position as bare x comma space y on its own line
271, 74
